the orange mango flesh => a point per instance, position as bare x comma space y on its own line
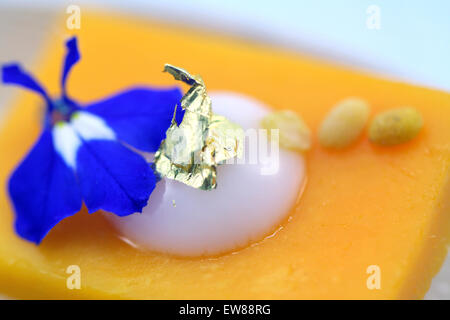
362, 206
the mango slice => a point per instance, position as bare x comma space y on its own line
363, 206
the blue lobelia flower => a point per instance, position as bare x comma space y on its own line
82, 152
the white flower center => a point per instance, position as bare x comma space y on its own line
68, 136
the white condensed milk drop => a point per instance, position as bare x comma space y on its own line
245, 207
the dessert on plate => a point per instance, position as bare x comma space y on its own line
332, 214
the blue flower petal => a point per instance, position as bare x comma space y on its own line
140, 117
14, 74
113, 178
72, 57
43, 191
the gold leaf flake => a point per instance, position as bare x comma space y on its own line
193, 149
